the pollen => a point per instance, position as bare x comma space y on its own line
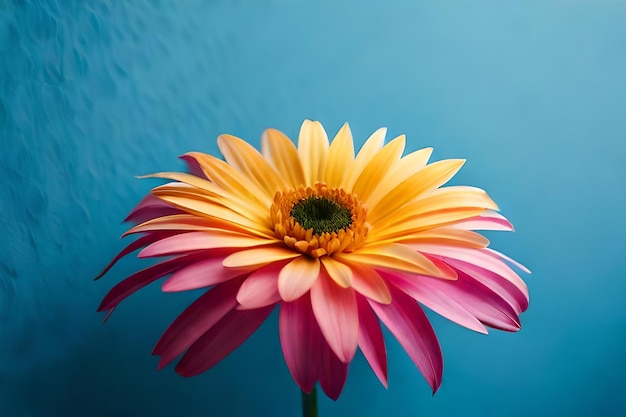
319, 221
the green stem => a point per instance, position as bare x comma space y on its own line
309, 403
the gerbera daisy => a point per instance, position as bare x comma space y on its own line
339, 243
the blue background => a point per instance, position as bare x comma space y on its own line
532, 93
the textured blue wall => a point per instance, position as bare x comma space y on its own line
532, 93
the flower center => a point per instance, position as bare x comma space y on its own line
321, 214
319, 221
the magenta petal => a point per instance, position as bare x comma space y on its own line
486, 304
260, 289
201, 274
193, 167
428, 293
151, 207
371, 340
479, 300
142, 278
498, 284
408, 323
221, 339
199, 317
300, 339
336, 313
478, 257
145, 240
333, 372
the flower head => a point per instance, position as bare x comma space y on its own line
339, 243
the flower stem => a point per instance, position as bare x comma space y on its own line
309, 403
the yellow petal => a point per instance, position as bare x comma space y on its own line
313, 150
242, 208
340, 158
376, 171
201, 188
338, 271
392, 256
427, 179
259, 256
407, 166
370, 148
297, 277
425, 221
282, 153
447, 236
237, 185
190, 222
447, 198
203, 207
243, 157
488, 220
197, 182
173, 222
366, 281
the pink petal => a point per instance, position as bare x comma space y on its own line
192, 223
198, 318
476, 257
300, 339
478, 300
487, 305
498, 284
446, 271
221, 339
408, 323
201, 274
207, 239
142, 278
297, 277
333, 372
336, 312
260, 289
150, 207
430, 295
136, 244
367, 282
499, 255
489, 220
371, 340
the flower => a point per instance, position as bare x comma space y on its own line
339, 243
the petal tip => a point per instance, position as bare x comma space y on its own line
435, 387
